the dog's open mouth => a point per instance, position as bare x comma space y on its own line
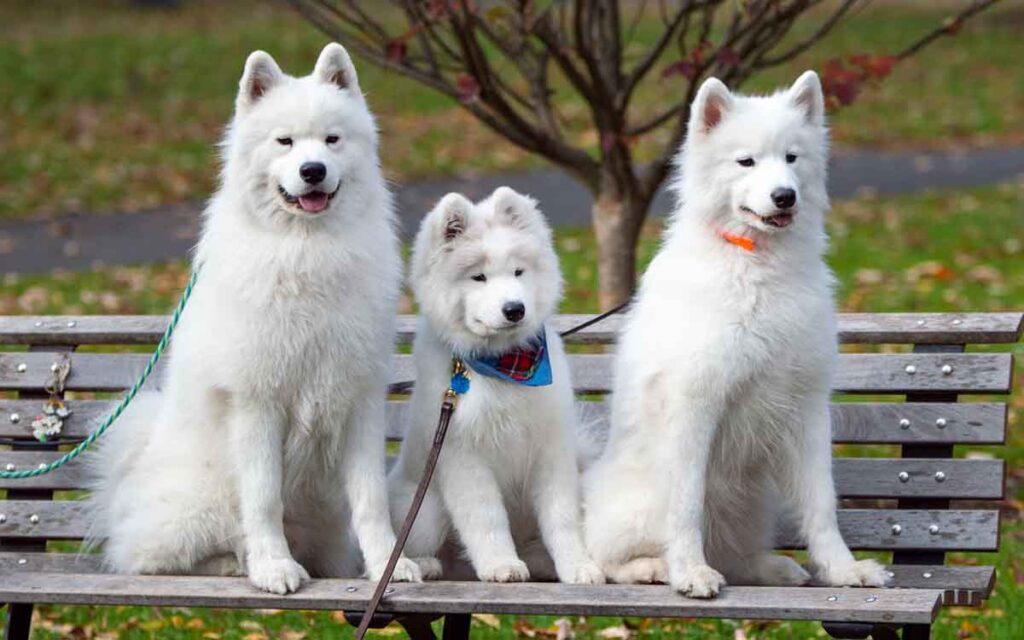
311, 202
778, 220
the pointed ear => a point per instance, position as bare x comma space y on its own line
451, 216
711, 105
806, 94
334, 66
261, 74
514, 208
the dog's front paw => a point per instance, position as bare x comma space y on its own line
405, 571
276, 575
860, 573
430, 567
697, 581
509, 571
584, 573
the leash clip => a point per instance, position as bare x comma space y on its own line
459, 383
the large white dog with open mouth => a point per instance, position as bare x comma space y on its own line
265, 447
720, 416
487, 280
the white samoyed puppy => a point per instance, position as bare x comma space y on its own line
487, 280
265, 446
720, 412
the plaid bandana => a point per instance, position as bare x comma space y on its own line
527, 365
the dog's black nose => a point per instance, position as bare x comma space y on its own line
313, 172
514, 311
784, 197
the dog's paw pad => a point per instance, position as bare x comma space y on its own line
430, 567
277, 575
585, 573
862, 573
700, 581
781, 571
511, 571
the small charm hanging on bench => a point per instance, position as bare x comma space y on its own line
50, 422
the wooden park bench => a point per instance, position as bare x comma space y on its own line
902, 506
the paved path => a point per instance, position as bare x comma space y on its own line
79, 241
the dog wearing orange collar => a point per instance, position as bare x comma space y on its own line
720, 411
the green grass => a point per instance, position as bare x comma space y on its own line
108, 107
935, 252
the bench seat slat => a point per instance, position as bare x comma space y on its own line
855, 477
852, 422
865, 328
857, 373
958, 530
960, 584
918, 606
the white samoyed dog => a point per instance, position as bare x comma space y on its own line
720, 413
487, 280
265, 447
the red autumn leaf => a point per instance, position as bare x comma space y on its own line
840, 83
396, 50
680, 68
873, 66
437, 9
726, 57
469, 88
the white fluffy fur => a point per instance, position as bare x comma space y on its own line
720, 418
508, 467
266, 445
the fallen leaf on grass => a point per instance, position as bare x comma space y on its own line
487, 619
615, 633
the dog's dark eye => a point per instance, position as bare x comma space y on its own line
518, 272
790, 158
287, 142
331, 139
746, 162
480, 277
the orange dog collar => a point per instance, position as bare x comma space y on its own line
740, 241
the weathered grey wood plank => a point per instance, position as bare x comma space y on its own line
940, 478
854, 477
814, 603
868, 328
957, 530
961, 585
852, 422
956, 581
858, 372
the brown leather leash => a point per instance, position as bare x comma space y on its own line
451, 396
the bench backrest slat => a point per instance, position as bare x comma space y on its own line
858, 372
861, 528
852, 422
854, 477
861, 328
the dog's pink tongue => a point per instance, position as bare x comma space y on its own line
313, 202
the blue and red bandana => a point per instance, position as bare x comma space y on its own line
528, 365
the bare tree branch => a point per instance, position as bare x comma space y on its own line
822, 31
951, 25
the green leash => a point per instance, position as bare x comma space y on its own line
132, 392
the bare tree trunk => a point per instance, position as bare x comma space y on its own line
618, 216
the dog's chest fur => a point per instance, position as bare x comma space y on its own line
309, 317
